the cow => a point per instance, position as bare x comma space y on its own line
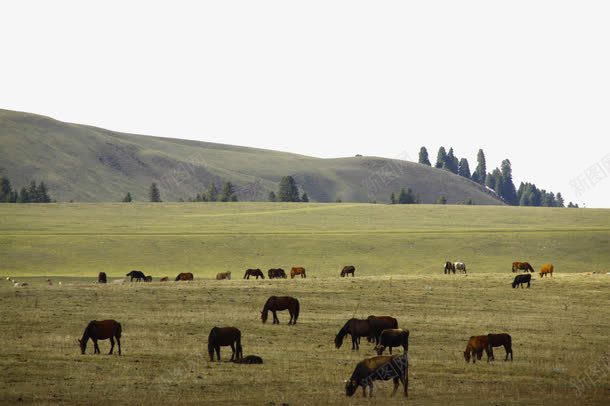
546, 269
184, 276
381, 367
521, 279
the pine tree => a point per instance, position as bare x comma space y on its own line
464, 168
33, 193
212, 194
402, 197
127, 198
5, 189
441, 158
451, 162
228, 192
305, 198
509, 193
480, 173
43, 194
392, 198
560, 201
153, 193
23, 196
272, 197
288, 191
442, 200
423, 156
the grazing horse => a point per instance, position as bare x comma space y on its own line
274, 273
137, 275
521, 279
278, 303
164, 279
395, 337
522, 266
101, 330
224, 336
378, 324
223, 275
101, 277
382, 367
253, 272
184, 276
500, 340
449, 267
299, 270
249, 359
546, 269
356, 328
475, 347
148, 278
460, 266
347, 270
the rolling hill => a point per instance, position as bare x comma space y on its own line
88, 164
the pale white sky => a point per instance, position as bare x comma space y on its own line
525, 80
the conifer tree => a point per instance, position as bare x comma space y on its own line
212, 192
464, 169
480, 173
509, 192
154, 194
305, 198
272, 197
423, 156
441, 158
127, 198
288, 191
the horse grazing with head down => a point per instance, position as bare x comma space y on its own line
546, 269
347, 270
137, 275
253, 272
475, 347
500, 340
222, 337
378, 324
274, 273
101, 330
522, 266
381, 367
460, 266
279, 303
395, 337
184, 276
521, 279
356, 328
449, 267
223, 275
297, 270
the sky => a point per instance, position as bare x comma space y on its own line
523, 80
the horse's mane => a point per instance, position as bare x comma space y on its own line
343, 332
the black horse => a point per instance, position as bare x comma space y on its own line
101, 277
276, 273
101, 330
225, 336
449, 267
278, 303
356, 328
254, 273
137, 275
521, 279
500, 340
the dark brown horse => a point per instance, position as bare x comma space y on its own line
297, 270
347, 270
449, 267
279, 303
393, 337
101, 277
253, 272
274, 273
378, 324
101, 330
356, 328
222, 337
500, 340
137, 275
475, 347
522, 266
148, 278
184, 276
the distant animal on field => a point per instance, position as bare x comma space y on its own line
378, 324
137, 275
356, 328
223, 275
475, 347
522, 266
521, 279
381, 367
279, 303
460, 266
546, 269
500, 340
449, 267
222, 337
184, 276
101, 330
49, 282
249, 359
164, 279
274, 273
253, 272
299, 270
347, 270
101, 277
393, 338
148, 278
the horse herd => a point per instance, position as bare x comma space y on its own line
520, 280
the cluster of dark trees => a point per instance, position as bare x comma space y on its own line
499, 180
405, 197
288, 191
34, 193
213, 194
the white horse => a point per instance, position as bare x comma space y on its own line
460, 266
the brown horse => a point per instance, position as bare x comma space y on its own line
546, 269
299, 270
225, 336
184, 276
522, 266
500, 340
279, 303
356, 328
475, 347
223, 275
164, 279
378, 324
101, 330
347, 270
274, 273
253, 272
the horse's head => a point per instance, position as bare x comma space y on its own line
350, 387
83, 345
467, 356
379, 349
264, 317
338, 341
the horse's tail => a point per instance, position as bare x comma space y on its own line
239, 354
296, 310
212, 340
119, 330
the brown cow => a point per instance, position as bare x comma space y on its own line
475, 347
223, 275
299, 270
184, 276
546, 269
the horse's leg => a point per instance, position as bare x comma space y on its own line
118, 341
371, 389
275, 319
233, 351
291, 316
96, 348
390, 350
111, 345
528, 284
217, 348
355, 345
364, 390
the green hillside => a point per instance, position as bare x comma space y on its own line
89, 164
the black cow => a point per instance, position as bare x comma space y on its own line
395, 337
137, 275
521, 279
382, 367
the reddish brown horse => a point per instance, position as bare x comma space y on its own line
347, 270
378, 324
222, 337
253, 272
522, 266
184, 276
546, 269
298, 270
475, 347
279, 303
101, 330
356, 328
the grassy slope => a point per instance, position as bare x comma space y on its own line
85, 163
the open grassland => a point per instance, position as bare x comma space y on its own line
560, 329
